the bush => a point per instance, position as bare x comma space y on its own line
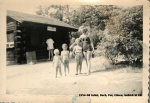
123, 36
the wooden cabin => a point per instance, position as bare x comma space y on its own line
27, 32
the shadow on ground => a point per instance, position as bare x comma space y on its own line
119, 66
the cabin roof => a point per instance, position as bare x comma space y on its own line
23, 17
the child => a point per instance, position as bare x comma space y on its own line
65, 57
77, 50
57, 62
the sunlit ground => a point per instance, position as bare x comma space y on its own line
105, 79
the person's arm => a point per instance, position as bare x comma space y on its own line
53, 61
82, 52
68, 55
72, 45
91, 42
53, 41
61, 60
62, 54
74, 49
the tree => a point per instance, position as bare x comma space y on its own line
115, 30
124, 35
59, 12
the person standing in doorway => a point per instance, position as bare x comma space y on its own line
50, 48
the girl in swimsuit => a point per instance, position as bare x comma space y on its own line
78, 51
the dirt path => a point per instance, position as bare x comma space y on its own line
40, 79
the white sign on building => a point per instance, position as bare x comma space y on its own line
51, 28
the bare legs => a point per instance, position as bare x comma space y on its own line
58, 68
50, 54
78, 66
66, 65
87, 56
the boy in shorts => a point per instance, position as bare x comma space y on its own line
65, 57
78, 51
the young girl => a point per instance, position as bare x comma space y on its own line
77, 50
57, 62
65, 57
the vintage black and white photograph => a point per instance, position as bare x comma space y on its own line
74, 50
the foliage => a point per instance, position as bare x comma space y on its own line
56, 11
123, 36
116, 31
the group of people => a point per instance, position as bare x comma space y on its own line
81, 48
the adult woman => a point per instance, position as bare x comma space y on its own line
88, 48
87, 45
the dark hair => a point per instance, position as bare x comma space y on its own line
85, 30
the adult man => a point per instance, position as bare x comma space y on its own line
50, 48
